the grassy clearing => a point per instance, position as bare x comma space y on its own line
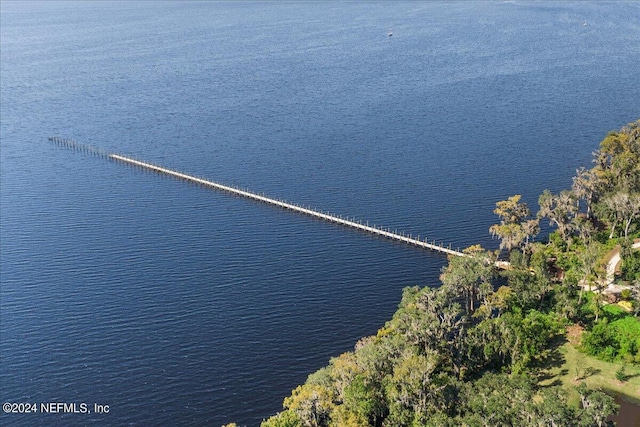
571, 364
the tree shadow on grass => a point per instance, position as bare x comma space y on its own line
590, 371
553, 359
628, 377
555, 383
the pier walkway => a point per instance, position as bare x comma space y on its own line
351, 223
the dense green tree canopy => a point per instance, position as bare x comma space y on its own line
468, 353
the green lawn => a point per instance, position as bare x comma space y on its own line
597, 374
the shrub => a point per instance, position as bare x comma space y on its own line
617, 340
631, 267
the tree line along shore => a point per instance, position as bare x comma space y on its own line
514, 346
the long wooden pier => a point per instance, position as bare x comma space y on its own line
351, 223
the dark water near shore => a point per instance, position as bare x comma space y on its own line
628, 414
175, 305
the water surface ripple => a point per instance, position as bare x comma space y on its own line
176, 305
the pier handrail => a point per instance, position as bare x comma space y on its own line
358, 225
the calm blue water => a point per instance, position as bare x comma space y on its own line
176, 305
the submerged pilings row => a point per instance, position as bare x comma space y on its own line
73, 145
325, 216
